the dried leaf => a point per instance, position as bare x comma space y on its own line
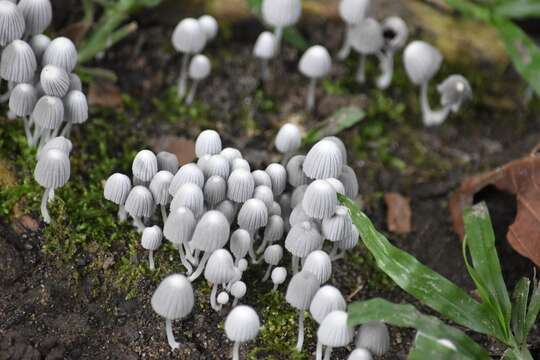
398, 215
183, 148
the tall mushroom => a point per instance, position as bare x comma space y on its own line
281, 14
395, 35
199, 69
272, 256
265, 50
315, 64
242, 325
367, 39
178, 229
319, 264
352, 12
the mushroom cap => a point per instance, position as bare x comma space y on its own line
273, 254
253, 215
75, 107
215, 190
274, 229
315, 62
279, 275
324, 160
140, 202
242, 324
320, 199
275, 209
209, 26
295, 171
278, 177
191, 196
53, 169
75, 82
167, 161
174, 298
59, 143
22, 99
37, 15
217, 165
159, 186
208, 143
374, 337
18, 62
261, 177
319, 264
285, 203
48, 112
199, 67
117, 188
240, 243
396, 26
301, 290
188, 37
240, 185
231, 153
61, 52
353, 11
454, 90
223, 298
12, 22
350, 241
337, 185
298, 215
265, 46
422, 61
340, 145
339, 226
334, 331
303, 238
242, 265
151, 238
238, 289
327, 299
39, 43
189, 173
220, 267
179, 226
360, 354
367, 36
228, 209
288, 138
265, 194
281, 13
144, 165
240, 164
298, 195
202, 163
350, 182
211, 232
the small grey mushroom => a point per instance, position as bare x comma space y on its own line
240, 244
360, 354
297, 196
302, 239
139, 204
39, 43
272, 256
47, 116
338, 227
326, 299
207, 143
395, 34
240, 164
265, 194
279, 275
367, 39
167, 161
454, 90
75, 82
22, 100
319, 264
159, 187
374, 337
117, 188
189, 173
241, 325
217, 165
62, 53
18, 62
215, 190
209, 26
144, 165
295, 171
278, 176
315, 64
333, 332
231, 153
320, 200
199, 69
346, 244
151, 241
288, 138
352, 12
75, 110
37, 15
324, 160
219, 270
350, 182
191, 196
281, 14
240, 185
265, 50
227, 208
178, 229
253, 215
272, 232
262, 178
238, 291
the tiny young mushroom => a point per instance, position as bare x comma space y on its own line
395, 35
281, 14
37, 15
352, 12
324, 160
319, 264
302, 239
374, 337
279, 275
209, 26
173, 300
22, 100
238, 291
326, 300
315, 64
167, 161
75, 110
241, 325
222, 299
159, 186
240, 244
320, 200
199, 69
367, 39
151, 241
219, 270
265, 50
288, 140
454, 91
360, 354
272, 256
117, 188
144, 166
333, 332
178, 229
139, 204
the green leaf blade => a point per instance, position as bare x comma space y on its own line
428, 347
533, 309
519, 310
341, 120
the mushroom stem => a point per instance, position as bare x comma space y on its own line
182, 82
192, 91
122, 213
170, 336
275, 287
37, 133
183, 260
252, 255
346, 48
27, 130
334, 250
265, 69
319, 353
55, 132
327, 353
66, 131
235, 302
278, 34
361, 71
137, 222
236, 351
300, 342
267, 274
194, 259
387, 67
310, 100
43, 138
44, 210
295, 261
151, 260
200, 268
430, 117
261, 247
213, 297
164, 213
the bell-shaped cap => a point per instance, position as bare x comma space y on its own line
320, 200
62, 53
337, 185
253, 215
167, 161
367, 36
240, 243
48, 112
275, 209
288, 138
220, 267
238, 289
281, 13
75, 82
228, 209
11, 22
179, 226
278, 176
37, 15
208, 143
240, 185
261, 178
189, 173
274, 229
144, 165
217, 165
188, 37
265, 194
273, 254
140, 202
454, 91
374, 337
360, 354
315, 62
422, 61
301, 290
265, 46
395, 33
190, 196
324, 160
350, 241
117, 188
39, 43
298, 215
240, 164
159, 186
199, 67
279, 275
327, 299
209, 26
202, 163
242, 324
350, 182
231, 153
319, 264
23, 99
59, 143
211, 232
298, 195
303, 238
223, 298
339, 226
334, 330
151, 238
295, 171
340, 144
53, 169
215, 190
173, 299
353, 11
18, 62
76, 107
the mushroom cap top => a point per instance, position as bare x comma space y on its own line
454, 90
334, 331
190, 196
179, 226
217, 165
39, 44
265, 194
360, 354
278, 177
374, 337
265, 46
422, 61
75, 82
340, 145
288, 138
337, 185
238, 289
273, 254
199, 67
75, 107
48, 112
140, 202
350, 182
18, 62
222, 298
295, 171
53, 169
144, 165
353, 11
59, 142
253, 215
240, 164
319, 264
350, 241
117, 188
275, 209
188, 36
174, 298
274, 229
220, 267
324, 160
207, 143
167, 161
151, 238
315, 62
281, 13
242, 265
22, 99
301, 290
298, 195
37, 15
188, 173
212, 232
320, 199
228, 209
159, 186
262, 178
398, 27
298, 215
303, 238
12, 22
240, 185
367, 36
242, 324
61, 52
327, 299
215, 190
339, 226
209, 26
279, 275
231, 153
240, 243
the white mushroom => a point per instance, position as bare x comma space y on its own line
264, 50
281, 14
242, 325
199, 69
117, 188
315, 64
151, 241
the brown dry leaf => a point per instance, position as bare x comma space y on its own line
399, 213
520, 177
76, 31
183, 148
104, 93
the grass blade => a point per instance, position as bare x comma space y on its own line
427, 347
519, 310
342, 119
533, 309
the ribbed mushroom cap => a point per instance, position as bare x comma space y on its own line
211, 232
151, 238
167, 161
350, 241
240, 185
202, 163
350, 182
340, 144
367, 36
159, 186
208, 143
281, 13
326, 300
395, 32
140, 202
265, 194
242, 324
275, 209
18, 62
61, 52
231, 153
288, 138
209, 26
360, 354
316, 62
11, 22
278, 176
215, 190
265, 46
374, 337
75, 82
279, 275
48, 112
298, 195
238, 289
39, 43
324, 160
144, 165
173, 299
199, 67
189, 173
53, 169
274, 229
261, 178
320, 199
228, 209
188, 37
22, 99
179, 226
334, 331
191, 196
273, 254
298, 215
319, 264
301, 290
454, 90
303, 238
76, 107
353, 11
59, 143
117, 188
37, 15
240, 164
222, 298
339, 226
253, 215
295, 171
220, 267
217, 165
337, 185
240, 243
422, 61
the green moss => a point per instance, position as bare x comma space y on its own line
173, 109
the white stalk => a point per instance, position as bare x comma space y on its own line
236, 351
319, 353
213, 294
310, 100
361, 71
265, 69
346, 48
183, 260
200, 268
267, 274
300, 342
327, 353
431, 117
182, 82
192, 91
387, 68
151, 260
122, 213
170, 336
278, 34
44, 210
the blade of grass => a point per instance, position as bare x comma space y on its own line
428, 347
519, 310
342, 119
533, 309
